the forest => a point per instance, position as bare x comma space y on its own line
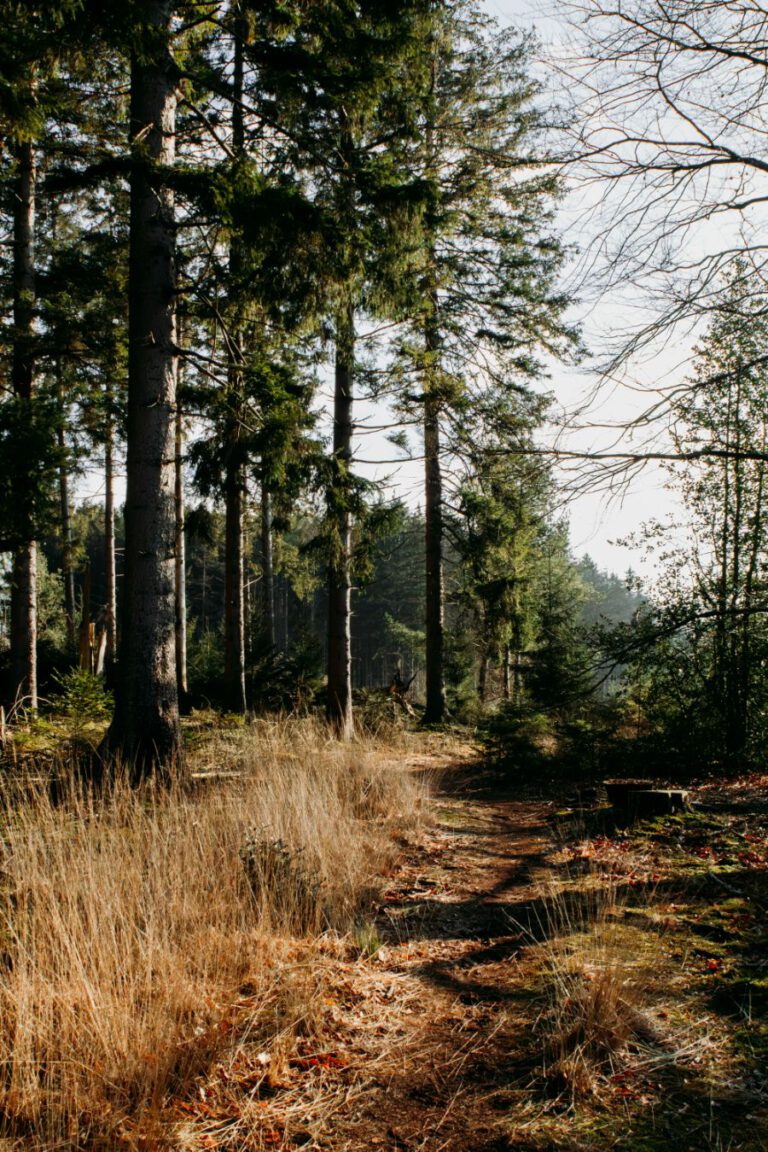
292, 294
351, 207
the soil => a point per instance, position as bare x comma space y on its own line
425, 1030
431, 1029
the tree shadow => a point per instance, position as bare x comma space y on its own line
695, 1106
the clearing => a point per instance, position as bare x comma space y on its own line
516, 989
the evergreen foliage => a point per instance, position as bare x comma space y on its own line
698, 652
291, 191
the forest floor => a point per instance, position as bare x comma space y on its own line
517, 989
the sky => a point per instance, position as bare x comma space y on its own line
604, 525
601, 524
598, 522
601, 521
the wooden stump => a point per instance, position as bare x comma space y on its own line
619, 790
647, 802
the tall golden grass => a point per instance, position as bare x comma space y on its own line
128, 921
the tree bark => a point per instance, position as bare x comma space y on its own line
746, 665
434, 712
234, 485
67, 570
234, 620
180, 570
145, 730
339, 702
433, 531
482, 676
517, 678
87, 631
507, 670
110, 563
67, 567
267, 569
65, 517
24, 574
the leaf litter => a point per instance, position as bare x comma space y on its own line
466, 1027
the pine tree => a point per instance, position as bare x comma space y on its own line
145, 728
560, 658
31, 42
713, 595
332, 77
83, 312
487, 301
24, 578
235, 481
502, 508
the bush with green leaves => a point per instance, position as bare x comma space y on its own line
82, 697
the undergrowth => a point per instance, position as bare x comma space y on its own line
645, 965
131, 923
603, 978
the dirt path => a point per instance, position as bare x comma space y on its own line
420, 1034
430, 1026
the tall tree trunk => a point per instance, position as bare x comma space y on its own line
434, 712
267, 569
145, 729
433, 532
234, 620
482, 675
87, 632
110, 563
67, 568
24, 625
339, 703
24, 575
181, 565
65, 516
65, 521
517, 678
234, 485
507, 670
747, 671
736, 727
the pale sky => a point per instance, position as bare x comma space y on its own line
597, 523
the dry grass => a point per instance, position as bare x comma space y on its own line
128, 924
604, 977
629, 1048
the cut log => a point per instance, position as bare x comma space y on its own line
619, 790
647, 802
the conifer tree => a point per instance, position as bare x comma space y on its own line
24, 578
709, 608
31, 41
560, 660
83, 311
333, 77
235, 481
502, 506
249, 305
487, 299
145, 728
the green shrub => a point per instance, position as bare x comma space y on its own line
82, 697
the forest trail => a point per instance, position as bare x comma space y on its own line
432, 1024
513, 993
